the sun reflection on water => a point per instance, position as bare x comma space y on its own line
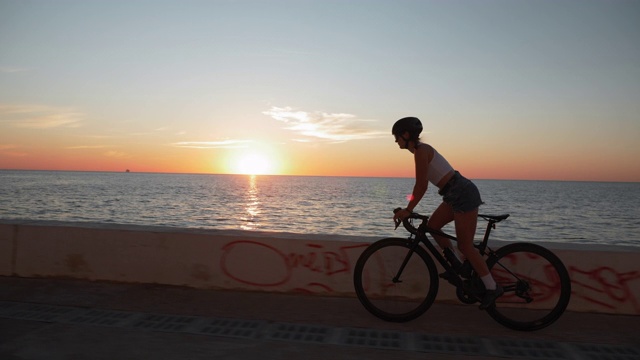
252, 206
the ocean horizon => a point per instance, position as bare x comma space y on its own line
127, 171
592, 212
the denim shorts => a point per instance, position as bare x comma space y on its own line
461, 194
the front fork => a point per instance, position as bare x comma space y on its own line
414, 242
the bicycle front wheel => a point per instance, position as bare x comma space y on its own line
536, 283
390, 291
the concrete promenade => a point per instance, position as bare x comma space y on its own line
78, 319
605, 279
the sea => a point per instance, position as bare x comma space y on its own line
541, 211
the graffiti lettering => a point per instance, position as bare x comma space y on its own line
605, 287
327, 262
327, 268
235, 256
277, 268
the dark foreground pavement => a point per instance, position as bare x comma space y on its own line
71, 319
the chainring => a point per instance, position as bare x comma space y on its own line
471, 290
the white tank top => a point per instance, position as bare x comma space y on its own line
438, 168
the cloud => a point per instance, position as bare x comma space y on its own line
108, 153
12, 69
82, 147
11, 150
167, 129
223, 144
116, 154
39, 116
337, 127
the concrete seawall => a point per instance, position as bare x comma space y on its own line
605, 279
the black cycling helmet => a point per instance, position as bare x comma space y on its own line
410, 124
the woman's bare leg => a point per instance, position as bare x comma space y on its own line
441, 217
465, 230
466, 223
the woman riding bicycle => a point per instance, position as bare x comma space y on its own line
460, 196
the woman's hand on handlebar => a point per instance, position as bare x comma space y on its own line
401, 214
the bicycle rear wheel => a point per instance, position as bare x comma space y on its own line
536, 283
404, 298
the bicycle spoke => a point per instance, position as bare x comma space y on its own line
395, 283
396, 295
537, 286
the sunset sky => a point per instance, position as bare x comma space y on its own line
544, 89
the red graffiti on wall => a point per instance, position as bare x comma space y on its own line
543, 280
604, 286
316, 259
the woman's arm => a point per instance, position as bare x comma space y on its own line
422, 158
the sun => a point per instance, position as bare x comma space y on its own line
253, 164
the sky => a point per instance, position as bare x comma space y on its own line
536, 90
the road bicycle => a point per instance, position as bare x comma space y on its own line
396, 280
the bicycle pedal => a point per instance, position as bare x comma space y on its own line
447, 275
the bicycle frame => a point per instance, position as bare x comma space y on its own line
421, 237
